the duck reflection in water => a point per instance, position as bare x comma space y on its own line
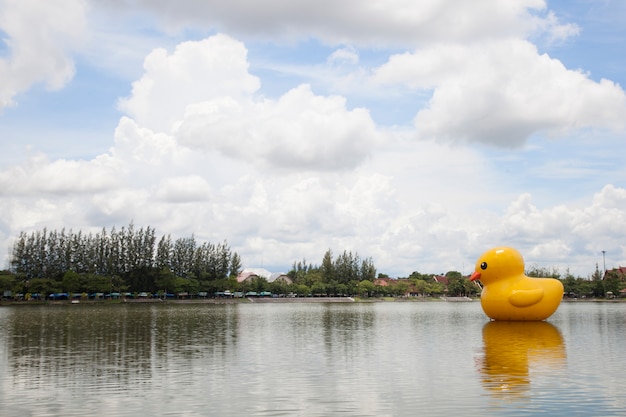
513, 349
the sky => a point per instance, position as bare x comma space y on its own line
419, 134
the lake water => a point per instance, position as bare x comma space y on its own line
313, 359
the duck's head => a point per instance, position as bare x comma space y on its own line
498, 263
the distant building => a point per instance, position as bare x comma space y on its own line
280, 276
384, 282
249, 274
411, 291
442, 279
246, 276
619, 272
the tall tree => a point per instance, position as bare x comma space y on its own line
368, 270
183, 256
347, 267
164, 253
235, 265
328, 267
611, 283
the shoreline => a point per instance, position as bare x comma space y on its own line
246, 300
276, 300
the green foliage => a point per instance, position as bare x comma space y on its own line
459, 286
73, 282
7, 282
598, 288
131, 259
302, 290
420, 285
435, 288
278, 287
341, 290
418, 276
539, 272
328, 267
300, 270
597, 275
612, 283
346, 267
368, 270
42, 286
571, 286
456, 287
575, 287
168, 282
318, 288
335, 276
366, 288
97, 283
400, 288
235, 265
259, 285
126, 259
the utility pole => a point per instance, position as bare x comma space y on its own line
604, 261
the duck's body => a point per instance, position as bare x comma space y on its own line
508, 294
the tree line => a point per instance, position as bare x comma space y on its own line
126, 259
596, 286
345, 274
132, 259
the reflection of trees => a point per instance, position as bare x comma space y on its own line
113, 346
345, 326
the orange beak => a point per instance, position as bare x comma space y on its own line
475, 276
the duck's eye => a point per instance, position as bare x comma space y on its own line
483, 265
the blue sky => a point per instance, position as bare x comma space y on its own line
416, 134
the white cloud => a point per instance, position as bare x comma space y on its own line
40, 37
562, 234
502, 92
142, 145
549, 250
299, 131
38, 175
196, 71
184, 189
204, 95
378, 22
347, 55
557, 32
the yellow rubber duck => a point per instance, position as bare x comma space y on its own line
508, 294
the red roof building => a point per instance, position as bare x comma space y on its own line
620, 272
442, 279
